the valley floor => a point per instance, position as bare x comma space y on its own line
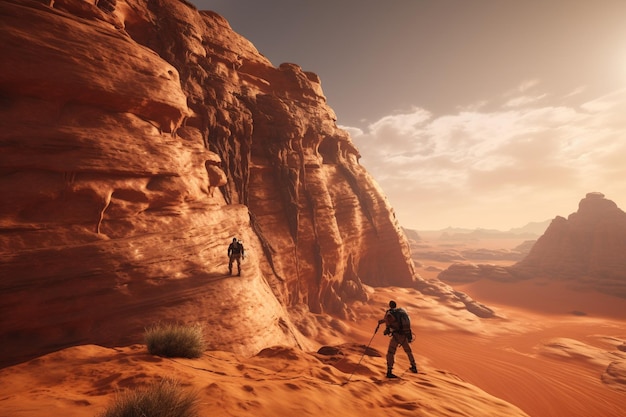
554, 351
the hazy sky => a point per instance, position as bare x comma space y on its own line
469, 113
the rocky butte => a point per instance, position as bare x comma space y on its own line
587, 250
139, 137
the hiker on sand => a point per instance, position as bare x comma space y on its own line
399, 327
235, 253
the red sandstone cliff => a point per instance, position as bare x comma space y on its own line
138, 138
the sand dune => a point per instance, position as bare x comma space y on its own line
546, 364
80, 381
523, 363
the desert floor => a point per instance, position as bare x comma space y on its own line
537, 358
549, 352
547, 364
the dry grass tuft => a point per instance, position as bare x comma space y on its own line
165, 398
175, 340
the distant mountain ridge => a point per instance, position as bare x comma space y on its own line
531, 230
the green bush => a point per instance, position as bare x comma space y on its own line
165, 398
175, 340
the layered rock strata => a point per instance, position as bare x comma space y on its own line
139, 137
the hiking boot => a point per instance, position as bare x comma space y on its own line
413, 369
390, 375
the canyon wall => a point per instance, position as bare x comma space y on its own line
140, 137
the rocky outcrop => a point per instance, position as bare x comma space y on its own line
324, 225
138, 138
412, 235
589, 247
453, 255
615, 375
459, 273
448, 296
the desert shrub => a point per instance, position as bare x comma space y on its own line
175, 340
165, 398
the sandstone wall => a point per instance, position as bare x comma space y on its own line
138, 138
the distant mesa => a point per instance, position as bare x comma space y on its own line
588, 249
463, 272
470, 255
422, 250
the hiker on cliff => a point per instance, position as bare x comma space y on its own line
235, 253
398, 326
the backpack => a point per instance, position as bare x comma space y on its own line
401, 321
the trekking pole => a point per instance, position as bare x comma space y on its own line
364, 352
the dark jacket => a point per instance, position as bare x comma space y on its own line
235, 248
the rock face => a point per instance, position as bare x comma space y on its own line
588, 247
138, 138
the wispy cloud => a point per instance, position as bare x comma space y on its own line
528, 85
525, 161
524, 100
